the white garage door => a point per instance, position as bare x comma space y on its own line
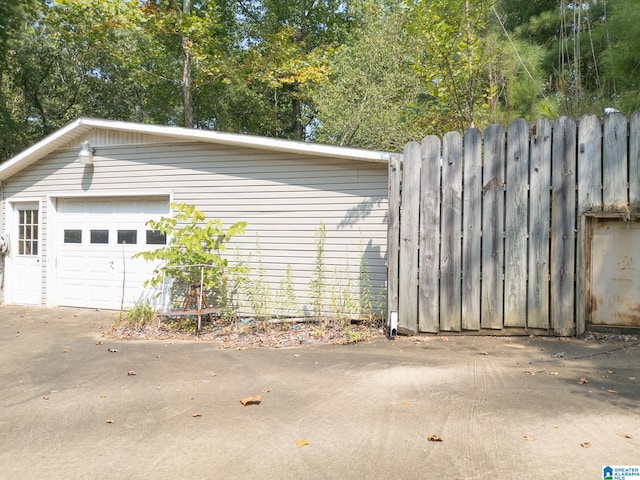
96, 240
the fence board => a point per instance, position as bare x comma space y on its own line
634, 161
409, 223
450, 241
515, 249
492, 227
614, 162
471, 229
589, 199
428, 299
539, 219
393, 225
563, 224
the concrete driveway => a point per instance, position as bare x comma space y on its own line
503, 407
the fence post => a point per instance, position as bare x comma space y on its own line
539, 217
471, 229
393, 226
429, 300
409, 224
563, 224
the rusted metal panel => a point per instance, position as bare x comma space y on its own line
615, 273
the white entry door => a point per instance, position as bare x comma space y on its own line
26, 276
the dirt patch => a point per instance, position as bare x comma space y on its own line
246, 334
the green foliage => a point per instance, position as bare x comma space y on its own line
343, 301
141, 314
373, 98
259, 290
288, 300
318, 281
195, 241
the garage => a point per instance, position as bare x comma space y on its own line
95, 242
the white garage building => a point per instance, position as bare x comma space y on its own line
72, 227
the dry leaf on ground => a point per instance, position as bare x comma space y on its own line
585, 444
612, 391
302, 442
484, 353
624, 435
434, 438
251, 400
197, 414
582, 381
131, 372
109, 420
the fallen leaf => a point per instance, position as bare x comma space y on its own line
213, 374
484, 353
131, 372
302, 442
624, 435
434, 438
585, 444
65, 351
612, 391
109, 421
553, 373
251, 400
197, 414
112, 350
529, 438
406, 404
582, 381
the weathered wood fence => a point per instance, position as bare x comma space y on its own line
487, 233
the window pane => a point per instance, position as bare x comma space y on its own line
99, 236
73, 236
128, 236
155, 237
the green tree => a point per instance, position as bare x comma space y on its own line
373, 98
194, 241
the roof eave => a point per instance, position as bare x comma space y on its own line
80, 125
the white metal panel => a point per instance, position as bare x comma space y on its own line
615, 273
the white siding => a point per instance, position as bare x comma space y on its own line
283, 197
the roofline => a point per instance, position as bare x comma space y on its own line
68, 132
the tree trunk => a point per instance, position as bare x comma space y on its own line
186, 72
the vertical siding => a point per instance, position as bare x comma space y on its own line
283, 197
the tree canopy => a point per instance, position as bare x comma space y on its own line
366, 73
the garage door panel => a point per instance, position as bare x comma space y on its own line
97, 270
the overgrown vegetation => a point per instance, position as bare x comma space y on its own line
318, 281
193, 254
195, 241
140, 315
